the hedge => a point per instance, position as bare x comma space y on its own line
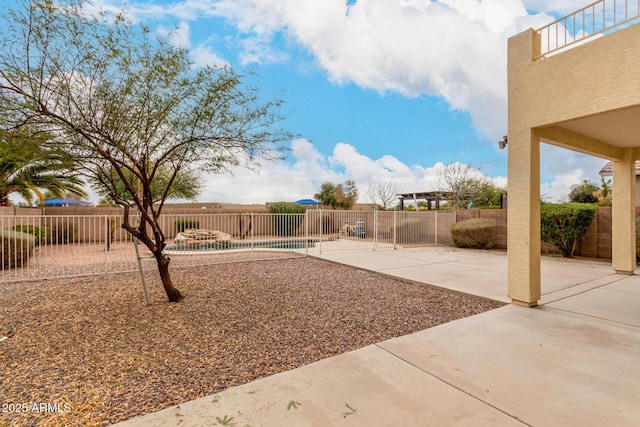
477, 233
16, 248
289, 224
565, 225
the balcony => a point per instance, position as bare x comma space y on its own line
597, 19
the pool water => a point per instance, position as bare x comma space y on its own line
243, 244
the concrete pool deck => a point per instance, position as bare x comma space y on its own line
574, 360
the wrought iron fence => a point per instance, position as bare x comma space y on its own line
37, 247
597, 18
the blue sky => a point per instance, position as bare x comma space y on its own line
375, 90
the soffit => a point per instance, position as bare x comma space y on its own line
620, 128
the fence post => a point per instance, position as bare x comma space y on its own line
306, 232
375, 229
107, 240
395, 227
436, 226
320, 225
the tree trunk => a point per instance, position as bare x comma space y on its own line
173, 294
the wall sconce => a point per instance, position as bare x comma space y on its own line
503, 143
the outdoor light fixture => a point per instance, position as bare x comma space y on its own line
502, 144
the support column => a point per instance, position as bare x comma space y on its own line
523, 230
623, 215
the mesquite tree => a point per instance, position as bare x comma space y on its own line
128, 107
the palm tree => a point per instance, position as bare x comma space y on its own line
27, 167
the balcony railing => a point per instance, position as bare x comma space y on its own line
598, 18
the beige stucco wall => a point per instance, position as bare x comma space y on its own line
592, 78
600, 76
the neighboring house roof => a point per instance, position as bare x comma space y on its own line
607, 170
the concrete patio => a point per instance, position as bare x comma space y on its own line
572, 361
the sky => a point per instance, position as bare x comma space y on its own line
375, 90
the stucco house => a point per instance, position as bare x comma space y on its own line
574, 83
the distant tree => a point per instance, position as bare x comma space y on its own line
33, 171
383, 194
338, 196
460, 182
605, 189
584, 193
327, 195
487, 194
129, 108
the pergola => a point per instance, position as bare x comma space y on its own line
430, 196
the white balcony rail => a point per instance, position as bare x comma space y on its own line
600, 17
71, 245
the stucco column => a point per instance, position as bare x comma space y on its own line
523, 231
623, 213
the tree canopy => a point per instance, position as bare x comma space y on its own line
584, 192
384, 194
338, 196
465, 184
30, 169
128, 107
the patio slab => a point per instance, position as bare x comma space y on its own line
542, 367
366, 387
575, 360
604, 303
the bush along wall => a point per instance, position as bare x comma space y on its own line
479, 233
289, 224
41, 234
17, 248
565, 225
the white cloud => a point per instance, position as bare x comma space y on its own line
452, 49
202, 55
180, 35
309, 169
556, 191
259, 50
561, 169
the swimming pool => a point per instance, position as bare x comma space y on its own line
240, 244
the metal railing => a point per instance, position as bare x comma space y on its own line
597, 18
66, 246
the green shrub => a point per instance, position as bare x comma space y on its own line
477, 233
290, 218
16, 249
62, 233
185, 224
565, 225
41, 234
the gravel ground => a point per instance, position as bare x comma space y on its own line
89, 352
